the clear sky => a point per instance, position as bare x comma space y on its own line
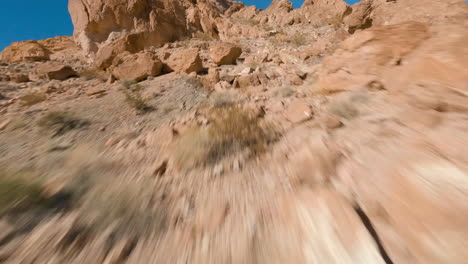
36, 19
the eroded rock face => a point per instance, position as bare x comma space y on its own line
281, 12
368, 54
154, 22
380, 12
25, 51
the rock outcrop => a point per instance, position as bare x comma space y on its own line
145, 23
25, 51
328, 133
380, 12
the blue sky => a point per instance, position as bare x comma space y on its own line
36, 19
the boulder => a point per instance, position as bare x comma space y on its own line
314, 226
366, 55
413, 191
105, 56
225, 53
187, 60
29, 50
55, 71
360, 17
137, 67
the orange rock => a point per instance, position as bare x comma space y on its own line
137, 67
187, 60
29, 50
225, 53
148, 23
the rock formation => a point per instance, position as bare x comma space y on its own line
143, 23
203, 131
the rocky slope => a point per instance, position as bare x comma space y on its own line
212, 132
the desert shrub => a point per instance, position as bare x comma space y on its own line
284, 91
136, 100
233, 130
32, 98
128, 83
267, 27
60, 122
344, 109
250, 21
298, 39
224, 99
92, 73
105, 200
19, 194
203, 36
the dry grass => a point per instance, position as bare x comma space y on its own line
224, 99
93, 73
126, 208
134, 97
250, 21
203, 36
284, 91
32, 98
345, 109
128, 83
137, 101
107, 199
298, 39
233, 130
60, 122
18, 193
267, 27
